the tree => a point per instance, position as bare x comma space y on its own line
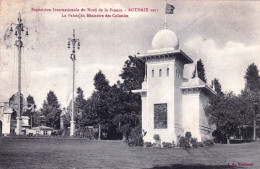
133, 73
227, 113
51, 110
217, 86
201, 71
251, 94
80, 103
96, 109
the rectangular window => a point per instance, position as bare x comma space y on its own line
152, 73
160, 73
168, 71
160, 116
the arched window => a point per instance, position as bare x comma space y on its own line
152, 73
160, 73
168, 71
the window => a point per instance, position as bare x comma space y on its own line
160, 73
160, 116
168, 71
45, 132
152, 73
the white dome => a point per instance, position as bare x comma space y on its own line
165, 39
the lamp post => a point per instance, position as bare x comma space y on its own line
73, 58
19, 29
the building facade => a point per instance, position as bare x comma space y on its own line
171, 104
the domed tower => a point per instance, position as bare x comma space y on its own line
161, 93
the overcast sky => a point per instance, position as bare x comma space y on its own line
224, 34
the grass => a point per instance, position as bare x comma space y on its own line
78, 153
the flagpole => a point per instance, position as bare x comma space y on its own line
165, 16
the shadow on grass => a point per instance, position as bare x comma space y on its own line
195, 166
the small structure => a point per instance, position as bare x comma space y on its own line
41, 130
171, 104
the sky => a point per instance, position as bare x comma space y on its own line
224, 34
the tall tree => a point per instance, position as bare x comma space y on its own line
227, 113
251, 94
218, 87
133, 73
51, 110
96, 107
201, 71
80, 103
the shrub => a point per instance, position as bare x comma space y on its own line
184, 142
147, 144
168, 145
135, 138
156, 145
208, 142
200, 144
194, 142
156, 137
188, 134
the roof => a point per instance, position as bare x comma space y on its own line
197, 83
166, 54
43, 128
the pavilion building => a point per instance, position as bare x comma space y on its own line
171, 104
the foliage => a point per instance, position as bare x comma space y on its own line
230, 112
218, 87
194, 142
148, 144
252, 78
116, 107
133, 73
184, 142
156, 137
208, 142
136, 137
188, 134
168, 145
201, 71
227, 113
51, 110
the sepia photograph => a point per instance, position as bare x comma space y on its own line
120, 84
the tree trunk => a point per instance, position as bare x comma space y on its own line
99, 132
254, 134
228, 141
124, 136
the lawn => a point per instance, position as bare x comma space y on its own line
78, 153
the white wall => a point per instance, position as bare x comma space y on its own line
191, 112
159, 90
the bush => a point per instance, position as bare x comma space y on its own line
188, 134
208, 142
156, 137
184, 142
168, 145
135, 138
194, 142
148, 144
